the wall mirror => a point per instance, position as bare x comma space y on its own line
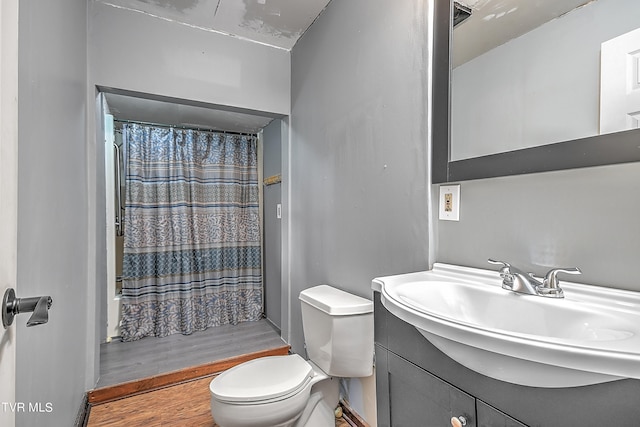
526, 86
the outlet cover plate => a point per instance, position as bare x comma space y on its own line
449, 202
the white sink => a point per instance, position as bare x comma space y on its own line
591, 336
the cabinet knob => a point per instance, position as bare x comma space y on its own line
458, 421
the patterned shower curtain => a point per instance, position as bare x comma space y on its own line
192, 247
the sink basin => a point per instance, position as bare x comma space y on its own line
591, 336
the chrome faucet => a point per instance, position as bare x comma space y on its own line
516, 280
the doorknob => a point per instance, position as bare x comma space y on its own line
38, 305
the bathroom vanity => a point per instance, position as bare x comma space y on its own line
418, 385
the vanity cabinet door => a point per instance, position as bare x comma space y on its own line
488, 416
417, 398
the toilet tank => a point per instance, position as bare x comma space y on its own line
338, 331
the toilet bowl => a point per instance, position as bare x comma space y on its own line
288, 391
269, 391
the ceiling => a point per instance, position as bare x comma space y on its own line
495, 22
276, 23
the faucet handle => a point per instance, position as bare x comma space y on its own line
551, 279
505, 273
550, 282
504, 270
505, 265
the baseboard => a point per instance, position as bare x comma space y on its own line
83, 413
273, 325
352, 416
119, 391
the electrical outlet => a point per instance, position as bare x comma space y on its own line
449, 203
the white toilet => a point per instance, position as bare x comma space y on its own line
284, 391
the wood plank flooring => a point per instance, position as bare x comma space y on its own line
186, 404
165, 381
179, 405
122, 362
118, 391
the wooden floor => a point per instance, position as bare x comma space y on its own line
151, 363
122, 362
179, 405
186, 404
165, 381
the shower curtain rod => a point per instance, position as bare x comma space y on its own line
254, 134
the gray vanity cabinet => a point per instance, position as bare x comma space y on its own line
417, 385
414, 397
417, 398
489, 416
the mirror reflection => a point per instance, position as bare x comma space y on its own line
528, 73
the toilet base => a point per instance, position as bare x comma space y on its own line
320, 410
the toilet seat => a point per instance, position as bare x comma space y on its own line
264, 380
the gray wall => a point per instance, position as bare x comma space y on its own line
272, 165
61, 174
546, 82
52, 359
358, 149
134, 51
586, 218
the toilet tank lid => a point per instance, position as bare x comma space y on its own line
335, 302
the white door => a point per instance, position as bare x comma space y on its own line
620, 83
8, 196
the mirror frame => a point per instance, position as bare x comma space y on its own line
599, 150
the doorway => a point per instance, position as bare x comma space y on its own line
133, 108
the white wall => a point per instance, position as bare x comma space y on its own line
52, 359
540, 88
358, 173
